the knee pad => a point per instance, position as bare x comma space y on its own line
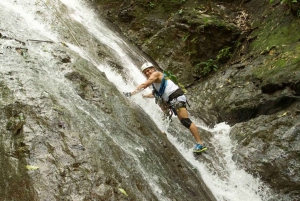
186, 122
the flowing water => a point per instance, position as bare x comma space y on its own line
221, 175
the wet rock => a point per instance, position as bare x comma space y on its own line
268, 147
15, 124
78, 146
258, 90
87, 139
66, 59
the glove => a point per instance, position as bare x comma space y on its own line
127, 94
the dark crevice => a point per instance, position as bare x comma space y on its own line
272, 88
273, 106
267, 108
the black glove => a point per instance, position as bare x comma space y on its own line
127, 94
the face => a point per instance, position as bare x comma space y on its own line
148, 71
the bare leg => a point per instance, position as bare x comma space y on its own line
182, 113
195, 133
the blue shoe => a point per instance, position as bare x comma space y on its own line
199, 148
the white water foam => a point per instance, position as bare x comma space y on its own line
236, 184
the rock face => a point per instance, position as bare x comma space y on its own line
67, 133
269, 147
258, 94
256, 90
178, 33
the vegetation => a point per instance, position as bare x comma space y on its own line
173, 77
210, 65
206, 67
224, 54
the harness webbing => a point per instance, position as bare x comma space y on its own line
162, 88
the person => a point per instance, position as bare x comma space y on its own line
168, 93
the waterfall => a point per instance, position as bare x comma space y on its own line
229, 183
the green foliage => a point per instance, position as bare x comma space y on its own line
180, 11
210, 65
194, 40
173, 77
151, 5
224, 54
206, 67
184, 38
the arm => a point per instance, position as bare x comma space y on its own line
154, 76
148, 95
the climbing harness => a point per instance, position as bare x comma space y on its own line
172, 105
168, 113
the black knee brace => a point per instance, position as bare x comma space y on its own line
186, 122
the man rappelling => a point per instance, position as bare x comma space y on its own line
169, 96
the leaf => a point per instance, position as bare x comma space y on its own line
283, 114
30, 167
123, 191
167, 73
182, 87
174, 79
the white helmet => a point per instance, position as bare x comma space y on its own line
146, 65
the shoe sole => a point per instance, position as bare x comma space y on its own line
199, 151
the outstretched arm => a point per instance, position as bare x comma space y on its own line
148, 95
154, 76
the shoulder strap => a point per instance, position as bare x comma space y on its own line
162, 85
162, 88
